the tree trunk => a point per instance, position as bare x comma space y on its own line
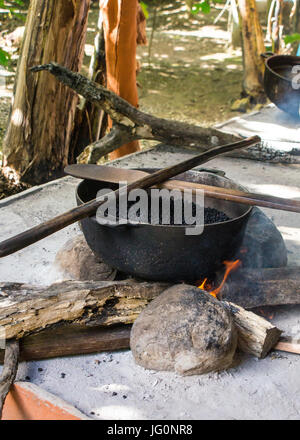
277, 27
253, 47
234, 25
90, 121
37, 141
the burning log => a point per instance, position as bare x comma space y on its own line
263, 287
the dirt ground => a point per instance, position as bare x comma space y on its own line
191, 74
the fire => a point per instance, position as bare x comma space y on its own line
230, 266
202, 286
206, 285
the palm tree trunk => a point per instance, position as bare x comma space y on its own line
253, 47
37, 141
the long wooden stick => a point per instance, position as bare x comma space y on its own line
72, 339
289, 345
252, 199
45, 229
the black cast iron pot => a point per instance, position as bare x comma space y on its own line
280, 83
166, 253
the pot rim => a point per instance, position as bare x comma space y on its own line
138, 224
286, 57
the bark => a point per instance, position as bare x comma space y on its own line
234, 25
37, 141
71, 340
253, 47
131, 123
29, 309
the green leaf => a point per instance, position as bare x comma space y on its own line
145, 9
203, 7
4, 57
291, 38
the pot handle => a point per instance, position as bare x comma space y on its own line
266, 55
121, 226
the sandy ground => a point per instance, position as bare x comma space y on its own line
191, 74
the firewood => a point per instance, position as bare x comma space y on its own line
26, 309
263, 287
9, 371
72, 339
256, 335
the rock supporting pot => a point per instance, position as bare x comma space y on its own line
186, 330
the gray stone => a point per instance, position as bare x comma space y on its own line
186, 330
262, 245
76, 261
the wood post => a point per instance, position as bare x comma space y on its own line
120, 33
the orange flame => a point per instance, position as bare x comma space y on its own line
207, 286
230, 266
202, 286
